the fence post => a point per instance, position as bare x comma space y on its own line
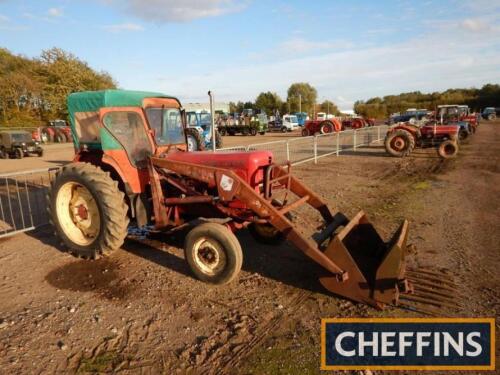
354, 140
287, 151
378, 133
315, 148
338, 143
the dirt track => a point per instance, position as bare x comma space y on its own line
141, 311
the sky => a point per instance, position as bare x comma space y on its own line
349, 50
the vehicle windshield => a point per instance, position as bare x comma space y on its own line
21, 137
293, 119
205, 119
171, 131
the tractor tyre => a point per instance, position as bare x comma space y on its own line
218, 139
48, 135
306, 132
448, 149
60, 137
399, 143
326, 127
245, 131
284, 129
266, 234
87, 210
19, 153
40, 153
262, 133
3, 154
253, 131
463, 135
222, 131
194, 140
213, 253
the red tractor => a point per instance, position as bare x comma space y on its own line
322, 126
357, 123
57, 131
132, 167
459, 115
402, 139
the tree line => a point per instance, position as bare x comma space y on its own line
476, 99
301, 97
33, 91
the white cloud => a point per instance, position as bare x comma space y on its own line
162, 11
55, 12
3, 19
475, 25
123, 27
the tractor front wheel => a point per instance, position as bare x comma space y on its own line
399, 143
213, 253
305, 132
87, 210
448, 149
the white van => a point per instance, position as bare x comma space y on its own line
290, 122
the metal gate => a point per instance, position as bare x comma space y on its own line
23, 205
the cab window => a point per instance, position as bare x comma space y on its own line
128, 129
167, 125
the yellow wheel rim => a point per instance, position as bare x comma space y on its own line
209, 256
78, 213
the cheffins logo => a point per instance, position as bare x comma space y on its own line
408, 344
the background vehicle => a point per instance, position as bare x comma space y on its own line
18, 144
202, 123
411, 115
56, 131
402, 139
490, 113
302, 117
453, 114
313, 127
246, 125
287, 123
137, 170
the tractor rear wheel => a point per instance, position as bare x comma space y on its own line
326, 127
463, 135
253, 131
222, 131
213, 253
399, 143
448, 149
218, 139
266, 234
47, 135
87, 210
19, 153
194, 140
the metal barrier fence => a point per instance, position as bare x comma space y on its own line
22, 200
305, 149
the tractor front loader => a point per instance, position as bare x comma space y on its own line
132, 165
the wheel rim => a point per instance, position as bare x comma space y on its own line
209, 256
398, 144
191, 142
449, 149
78, 213
325, 129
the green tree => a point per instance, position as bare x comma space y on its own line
301, 92
268, 102
329, 107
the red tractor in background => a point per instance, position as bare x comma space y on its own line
57, 131
321, 126
402, 139
357, 123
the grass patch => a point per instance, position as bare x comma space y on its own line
103, 362
421, 185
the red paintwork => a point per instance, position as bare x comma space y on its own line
439, 129
248, 165
314, 126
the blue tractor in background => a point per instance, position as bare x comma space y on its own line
199, 131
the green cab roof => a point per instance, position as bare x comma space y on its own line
91, 101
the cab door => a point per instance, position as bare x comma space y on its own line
126, 144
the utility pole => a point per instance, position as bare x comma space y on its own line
300, 103
212, 119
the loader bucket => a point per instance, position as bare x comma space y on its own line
375, 268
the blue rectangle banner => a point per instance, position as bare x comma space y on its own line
408, 343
